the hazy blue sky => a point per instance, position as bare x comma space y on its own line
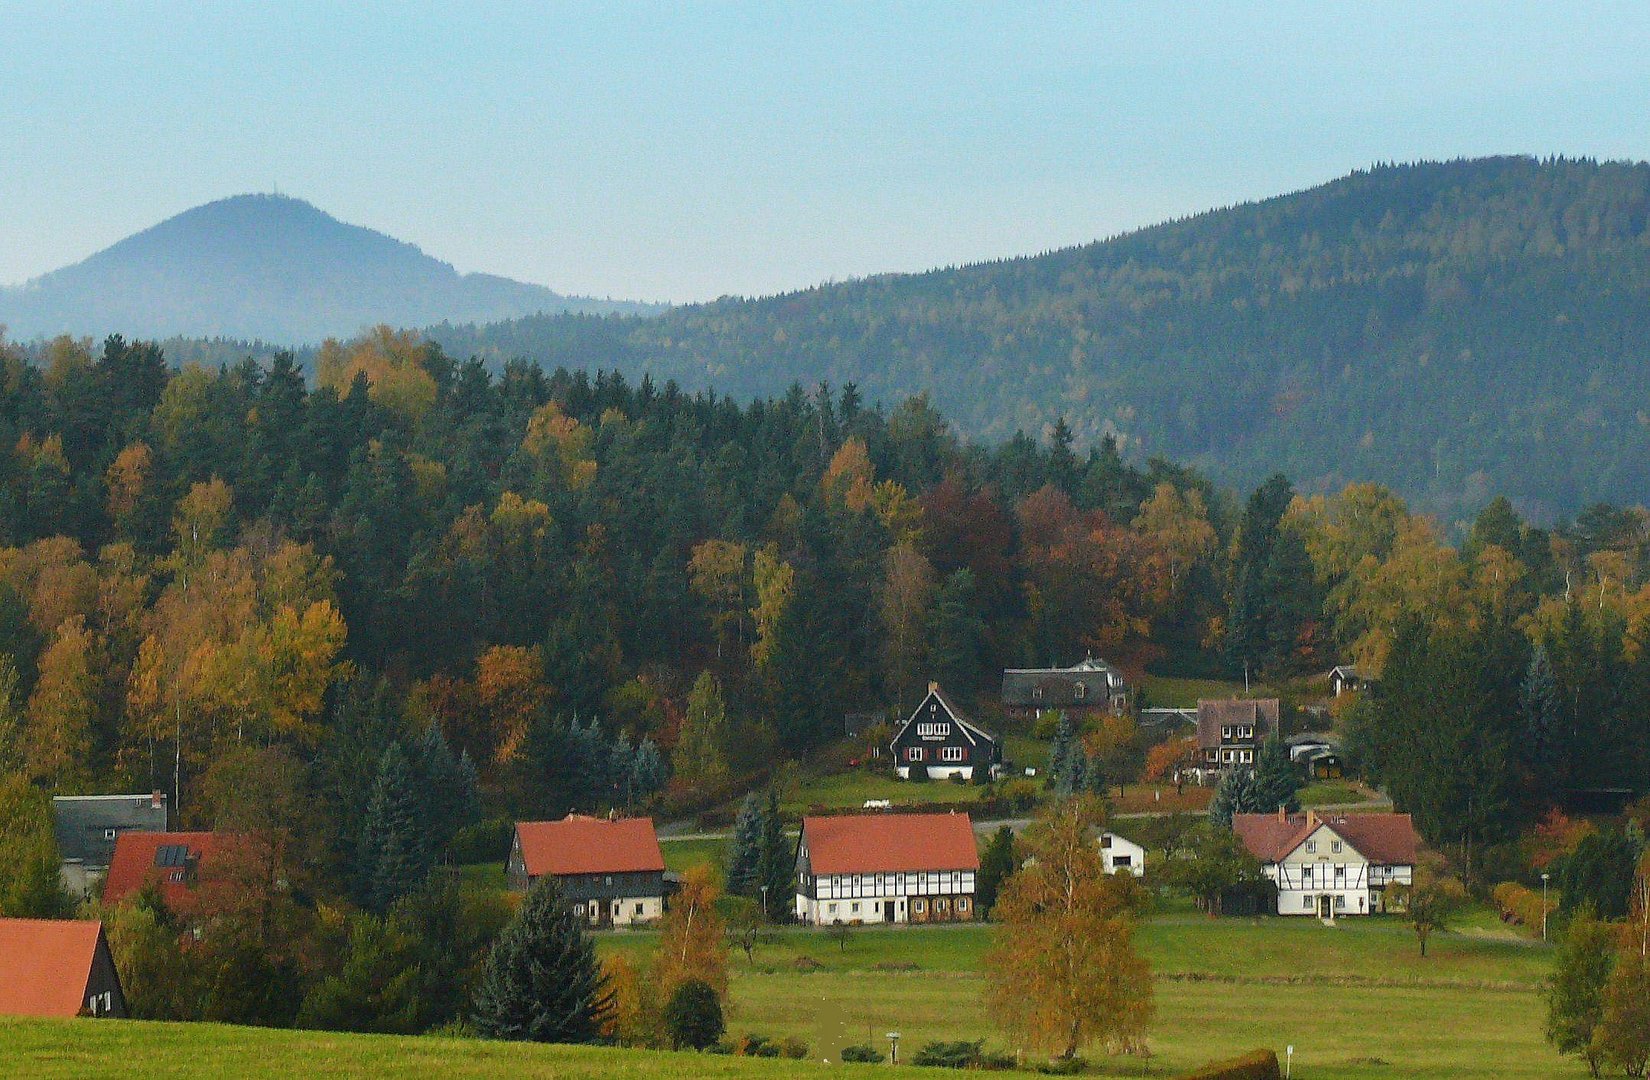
680, 152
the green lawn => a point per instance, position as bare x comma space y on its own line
850, 790
1356, 1000
1169, 692
681, 854
1334, 792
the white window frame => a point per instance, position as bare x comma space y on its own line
951, 754
913, 754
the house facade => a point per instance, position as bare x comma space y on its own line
886, 868
1230, 732
1332, 864
610, 869
943, 742
1092, 686
87, 826
1122, 855
1346, 679
57, 967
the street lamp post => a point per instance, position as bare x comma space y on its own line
764, 903
893, 1048
1288, 1061
1544, 907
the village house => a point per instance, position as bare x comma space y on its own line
886, 868
1231, 731
57, 967
171, 860
943, 742
610, 869
1122, 855
86, 827
1090, 687
1331, 864
1345, 679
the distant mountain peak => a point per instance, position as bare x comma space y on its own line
271, 267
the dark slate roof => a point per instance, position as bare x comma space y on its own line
1059, 685
1262, 713
81, 821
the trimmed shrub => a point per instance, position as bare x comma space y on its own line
792, 1047
861, 1055
693, 1016
1255, 1065
950, 1055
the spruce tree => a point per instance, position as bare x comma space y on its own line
1235, 795
394, 858
1540, 707
543, 982
648, 771
745, 854
996, 866
777, 863
1060, 754
1276, 781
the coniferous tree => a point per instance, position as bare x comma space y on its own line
1540, 707
395, 856
1060, 755
542, 981
745, 853
777, 865
996, 865
648, 771
693, 1016
1277, 783
1235, 794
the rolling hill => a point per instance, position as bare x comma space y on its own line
269, 267
1453, 329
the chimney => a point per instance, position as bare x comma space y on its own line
1283, 814
157, 800
933, 687
1311, 818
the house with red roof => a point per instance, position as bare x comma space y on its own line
886, 868
57, 967
1331, 864
171, 860
610, 869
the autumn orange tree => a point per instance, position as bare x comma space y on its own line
692, 943
1063, 972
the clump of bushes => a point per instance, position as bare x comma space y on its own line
861, 1055
1255, 1065
963, 1055
754, 1045
1519, 904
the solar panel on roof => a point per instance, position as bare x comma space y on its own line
171, 855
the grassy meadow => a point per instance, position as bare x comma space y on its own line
1356, 1000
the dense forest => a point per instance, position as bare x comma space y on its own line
363, 624
1452, 330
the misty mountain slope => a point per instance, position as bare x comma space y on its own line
270, 267
1453, 329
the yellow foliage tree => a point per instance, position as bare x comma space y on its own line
511, 694
1063, 970
561, 445
692, 941
716, 570
391, 360
127, 478
774, 580
59, 730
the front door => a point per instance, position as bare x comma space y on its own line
887, 911
1325, 907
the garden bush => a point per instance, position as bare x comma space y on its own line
1255, 1065
861, 1055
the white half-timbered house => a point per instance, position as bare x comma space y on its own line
939, 739
1331, 864
886, 868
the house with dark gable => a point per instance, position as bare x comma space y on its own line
943, 742
1231, 731
610, 869
57, 967
1092, 686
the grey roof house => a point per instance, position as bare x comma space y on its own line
1089, 685
87, 827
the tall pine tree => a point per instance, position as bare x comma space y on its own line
542, 981
395, 855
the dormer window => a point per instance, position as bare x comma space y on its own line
1079, 691
1226, 732
1036, 693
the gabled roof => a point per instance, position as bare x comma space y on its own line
578, 844
80, 822
1345, 671
159, 856
45, 965
890, 843
1056, 687
973, 732
1384, 839
1212, 715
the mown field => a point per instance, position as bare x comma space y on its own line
1356, 1000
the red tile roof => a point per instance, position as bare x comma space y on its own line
587, 845
883, 843
1383, 839
134, 863
45, 965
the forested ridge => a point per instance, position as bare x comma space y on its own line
1453, 330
